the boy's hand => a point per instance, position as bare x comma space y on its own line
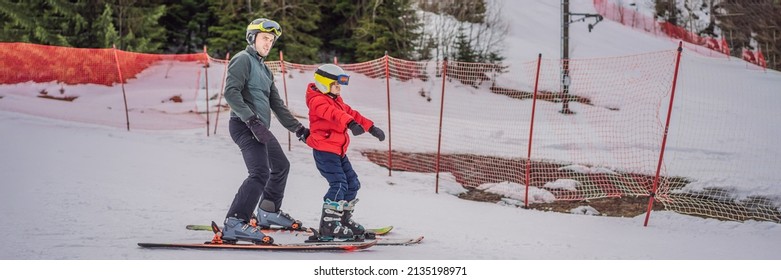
356, 128
377, 132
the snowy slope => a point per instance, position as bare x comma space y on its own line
79, 191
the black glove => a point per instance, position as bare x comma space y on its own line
261, 133
356, 128
302, 133
377, 132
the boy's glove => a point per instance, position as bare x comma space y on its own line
377, 132
302, 133
261, 133
356, 128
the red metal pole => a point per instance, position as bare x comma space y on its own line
664, 137
222, 91
206, 76
441, 109
390, 135
284, 85
122, 83
531, 131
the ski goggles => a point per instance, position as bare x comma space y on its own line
269, 26
342, 79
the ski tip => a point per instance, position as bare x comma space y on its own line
382, 230
215, 227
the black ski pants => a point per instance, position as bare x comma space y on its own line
267, 166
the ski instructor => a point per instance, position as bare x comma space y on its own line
252, 96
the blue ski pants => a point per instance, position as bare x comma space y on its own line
342, 179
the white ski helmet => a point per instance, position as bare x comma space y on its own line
327, 74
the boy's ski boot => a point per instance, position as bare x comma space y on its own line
331, 228
236, 229
347, 220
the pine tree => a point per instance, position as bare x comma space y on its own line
464, 50
389, 25
339, 19
227, 34
298, 19
18, 20
104, 29
186, 23
139, 27
52, 22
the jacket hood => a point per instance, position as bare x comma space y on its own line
312, 92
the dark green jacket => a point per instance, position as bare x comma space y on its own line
250, 90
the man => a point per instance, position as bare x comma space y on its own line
252, 96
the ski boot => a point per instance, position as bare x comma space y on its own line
282, 219
236, 229
266, 217
347, 220
331, 228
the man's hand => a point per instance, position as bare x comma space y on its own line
302, 133
261, 133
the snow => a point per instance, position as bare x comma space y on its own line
72, 190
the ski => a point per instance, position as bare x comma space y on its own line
381, 240
399, 241
318, 246
377, 231
218, 243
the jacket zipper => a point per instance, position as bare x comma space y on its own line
344, 146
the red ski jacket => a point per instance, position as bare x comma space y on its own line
328, 119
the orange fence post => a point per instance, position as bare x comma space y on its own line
284, 85
439, 140
222, 91
664, 136
122, 83
206, 76
390, 134
531, 131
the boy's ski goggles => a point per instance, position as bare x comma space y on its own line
267, 26
342, 79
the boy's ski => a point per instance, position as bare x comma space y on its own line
398, 241
381, 240
306, 231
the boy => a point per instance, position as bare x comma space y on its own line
329, 120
